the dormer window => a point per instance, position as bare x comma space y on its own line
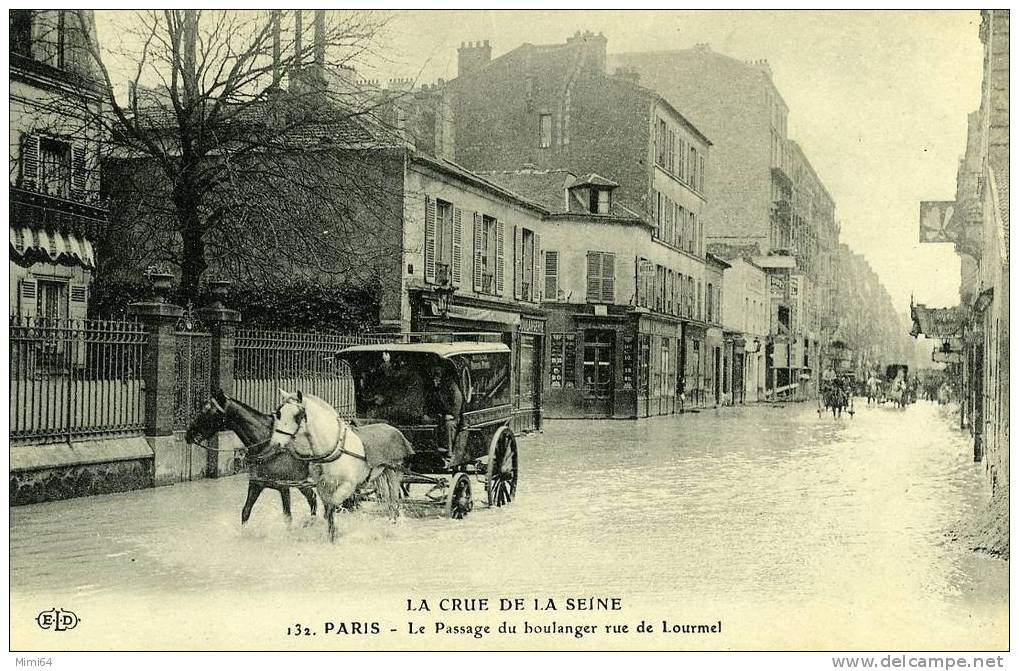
592, 194
601, 201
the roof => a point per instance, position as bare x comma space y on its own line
480, 180
593, 179
444, 349
545, 187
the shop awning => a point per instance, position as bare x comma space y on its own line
31, 245
935, 322
484, 315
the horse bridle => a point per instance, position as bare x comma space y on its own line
264, 456
338, 450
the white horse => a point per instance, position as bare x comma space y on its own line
339, 462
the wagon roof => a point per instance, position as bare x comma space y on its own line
444, 349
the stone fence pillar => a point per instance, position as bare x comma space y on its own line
222, 323
160, 320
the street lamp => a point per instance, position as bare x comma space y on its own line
443, 295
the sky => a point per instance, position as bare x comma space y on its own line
878, 101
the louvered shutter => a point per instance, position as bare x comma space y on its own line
593, 277
608, 278
77, 172
458, 237
30, 161
479, 252
536, 269
500, 244
77, 312
551, 275
429, 239
518, 262
29, 296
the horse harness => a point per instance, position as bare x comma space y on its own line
339, 449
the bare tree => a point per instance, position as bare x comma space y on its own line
245, 145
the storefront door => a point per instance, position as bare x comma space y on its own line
599, 372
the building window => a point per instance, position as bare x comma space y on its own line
700, 174
21, 32
527, 291
601, 277
48, 37
56, 167
671, 160
661, 140
600, 201
52, 300
692, 167
682, 160
544, 130
551, 275
490, 254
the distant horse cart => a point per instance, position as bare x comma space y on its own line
837, 395
400, 438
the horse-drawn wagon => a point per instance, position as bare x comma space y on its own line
402, 385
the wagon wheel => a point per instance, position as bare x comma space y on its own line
459, 501
501, 474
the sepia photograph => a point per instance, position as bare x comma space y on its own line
510, 330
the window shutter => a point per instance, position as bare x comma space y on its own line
536, 269
700, 174
500, 243
429, 239
518, 261
608, 278
29, 297
458, 236
78, 172
79, 301
479, 252
593, 277
551, 275
30, 161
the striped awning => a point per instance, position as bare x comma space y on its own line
31, 245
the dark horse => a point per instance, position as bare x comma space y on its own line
270, 467
835, 398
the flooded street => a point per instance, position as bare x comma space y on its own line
794, 530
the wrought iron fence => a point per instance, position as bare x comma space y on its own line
268, 360
75, 379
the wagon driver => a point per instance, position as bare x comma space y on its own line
443, 403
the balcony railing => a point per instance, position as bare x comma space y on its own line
36, 209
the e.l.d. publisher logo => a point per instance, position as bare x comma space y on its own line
57, 619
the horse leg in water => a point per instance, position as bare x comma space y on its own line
330, 509
285, 499
309, 493
254, 490
388, 485
343, 491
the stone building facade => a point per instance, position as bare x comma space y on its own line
765, 197
53, 153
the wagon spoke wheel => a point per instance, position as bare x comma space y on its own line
459, 502
501, 475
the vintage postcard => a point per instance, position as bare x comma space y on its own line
509, 330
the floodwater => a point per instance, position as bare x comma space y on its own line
798, 532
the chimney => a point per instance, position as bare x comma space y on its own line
595, 47
320, 40
472, 57
628, 74
277, 75
298, 29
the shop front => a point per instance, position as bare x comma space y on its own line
692, 386
522, 328
617, 363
